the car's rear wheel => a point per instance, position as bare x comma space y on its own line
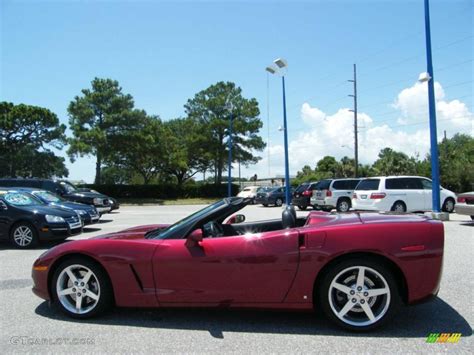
278, 202
302, 207
448, 205
265, 204
343, 205
399, 206
81, 288
359, 294
23, 235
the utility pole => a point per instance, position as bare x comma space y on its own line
356, 143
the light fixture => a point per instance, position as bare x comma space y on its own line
281, 63
424, 77
271, 69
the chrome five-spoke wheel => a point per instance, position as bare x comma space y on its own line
78, 289
82, 288
359, 294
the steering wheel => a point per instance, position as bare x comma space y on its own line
212, 230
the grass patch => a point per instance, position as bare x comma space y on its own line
161, 202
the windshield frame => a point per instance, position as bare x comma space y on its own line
218, 211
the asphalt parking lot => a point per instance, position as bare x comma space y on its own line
28, 324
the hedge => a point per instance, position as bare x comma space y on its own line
164, 191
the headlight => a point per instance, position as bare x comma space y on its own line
80, 212
98, 201
54, 219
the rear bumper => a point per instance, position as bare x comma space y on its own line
326, 202
301, 201
464, 208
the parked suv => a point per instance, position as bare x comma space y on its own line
64, 189
302, 195
334, 193
400, 194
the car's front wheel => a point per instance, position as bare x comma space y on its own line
23, 235
359, 294
302, 207
81, 288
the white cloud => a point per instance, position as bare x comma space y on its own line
333, 134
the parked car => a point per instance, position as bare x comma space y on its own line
249, 192
114, 204
88, 213
334, 193
302, 195
400, 194
64, 189
465, 204
273, 196
356, 268
25, 220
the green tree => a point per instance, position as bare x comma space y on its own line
456, 163
27, 134
391, 162
327, 167
186, 147
213, 108
93, 120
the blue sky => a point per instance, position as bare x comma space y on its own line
164, 52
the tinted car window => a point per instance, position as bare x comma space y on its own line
368, 184
351, 184
302, 187
427, 184
323, 185
314, 186
395, 184
413, 184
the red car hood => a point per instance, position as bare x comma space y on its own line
132, 233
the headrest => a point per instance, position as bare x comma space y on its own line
288, 217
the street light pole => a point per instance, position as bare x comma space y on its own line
278, 68
229, 177
432, 110
285, 133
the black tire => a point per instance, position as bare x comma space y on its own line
382, 306
265, 204
472, 217
448, 205
24, 235
399, 206
303, 207
278, 202
343, 205
105, 292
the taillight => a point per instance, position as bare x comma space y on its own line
461, 199
307, 193
354, 195
377, 195
328, 193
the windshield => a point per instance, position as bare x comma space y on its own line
21, 199
68, 186
264, 189
164, 233
47, 196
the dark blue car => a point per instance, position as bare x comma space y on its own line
88, 213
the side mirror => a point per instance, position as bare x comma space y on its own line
194, 238
237, 218
3, 206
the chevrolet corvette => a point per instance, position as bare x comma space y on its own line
356, 268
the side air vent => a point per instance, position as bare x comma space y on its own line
137, 278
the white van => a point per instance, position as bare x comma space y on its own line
399, 193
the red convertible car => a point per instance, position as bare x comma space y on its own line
357, 268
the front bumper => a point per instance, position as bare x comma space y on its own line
464, 208
57, 231
103, 209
